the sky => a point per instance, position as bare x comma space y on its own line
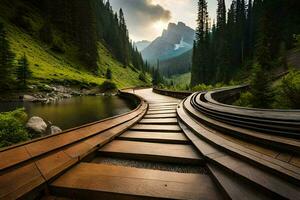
146, 19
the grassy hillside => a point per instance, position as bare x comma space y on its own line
180, 82
49, 66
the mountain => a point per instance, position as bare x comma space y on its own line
176, 40
141, 45
177, 65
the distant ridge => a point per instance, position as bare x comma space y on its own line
176, 40
141, 45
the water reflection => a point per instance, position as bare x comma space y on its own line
69, 113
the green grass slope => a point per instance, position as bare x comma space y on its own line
62, 68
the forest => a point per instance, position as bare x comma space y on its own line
249, 44
84, 23
259, 31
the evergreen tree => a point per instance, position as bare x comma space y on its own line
23, 71
222, 53
198, 66
156, 77
249, 31
108, 74
124, 39
6, 60
261, 78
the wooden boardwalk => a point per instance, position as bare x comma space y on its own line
164, 149
157, 140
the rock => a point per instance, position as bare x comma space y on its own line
37, 124
47, 87
66, 96
55, 130
32, 87
29, 98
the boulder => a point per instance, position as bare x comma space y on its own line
55, 130
29, 98
37, 124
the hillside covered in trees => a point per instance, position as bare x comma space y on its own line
70, 42
251, 32
249, 44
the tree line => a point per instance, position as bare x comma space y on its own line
8, 67
250, 36
87, 23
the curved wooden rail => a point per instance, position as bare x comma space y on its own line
285, 123
260, 148
175, 94
248, 153
26, 168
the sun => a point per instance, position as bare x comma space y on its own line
159, 25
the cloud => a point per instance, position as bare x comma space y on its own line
141, 14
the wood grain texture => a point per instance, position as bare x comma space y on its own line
109, 181
175, 153
173, 138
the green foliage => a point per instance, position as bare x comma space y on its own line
288, 91
46, 33
108, 86
157, 79
297, 37
58, 46
251, 31
178, 82
12, 128
108, 74
23, 71
202, 87
261, 90
6, 60
142, 77
112, 28
51, 67
245, 100
21, 20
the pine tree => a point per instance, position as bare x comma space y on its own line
108, 74
198, 66
6, 60
249, 31
23, 71
156, 77
261, 78
221, 16
124, 39
222, 56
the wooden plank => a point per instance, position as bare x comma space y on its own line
174, 153
174, 138
16, 183
235, 188
161, 128
13, 156
159, 121
285, 169
254, 174
164, 104
55, 163
153, 108
98, 181
160, 116
160, 112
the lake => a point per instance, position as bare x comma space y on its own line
73, 112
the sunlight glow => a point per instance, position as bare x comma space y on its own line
160, 25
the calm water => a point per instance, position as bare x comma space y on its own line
76, 111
